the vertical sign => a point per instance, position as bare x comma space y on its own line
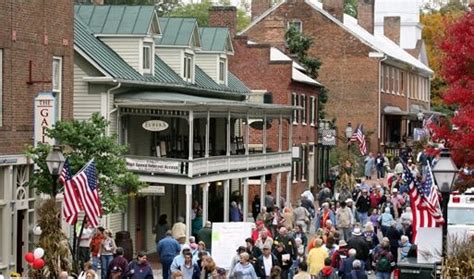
45, 117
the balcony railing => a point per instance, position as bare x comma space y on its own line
204, 166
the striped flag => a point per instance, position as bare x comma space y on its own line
358, 136
424, 202
71, 203
86, 183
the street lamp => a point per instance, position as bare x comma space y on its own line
55, 162
348, 136
445, 173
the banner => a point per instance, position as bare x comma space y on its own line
44, 117
153, 166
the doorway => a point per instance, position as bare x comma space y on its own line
20, 242
140, 228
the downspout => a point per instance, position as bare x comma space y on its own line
109, 91
379, 115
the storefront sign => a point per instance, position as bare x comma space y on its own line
153, 166
155, 125
45, 117
153, 190
328, 137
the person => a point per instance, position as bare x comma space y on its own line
253, 250
374, 219
63, 275
140, 268
205, 235
276, 220
275, 272
397, 201
372, 240
264, 239
95, 247
84, 251
189, 269
405, 246
345, 268
328, 271
196, 223
368, 166
208, 268
179, 259
256, 233
302, 271
179, 230
394, 235
269, 201
328, 230
167, 249
288, 241
284, 259
255, 207
236, 259
161, 228
83, 274
344, 220
385, 220
265, 262
376, 197
316, 258
383, 261
235, 213
341, 253
357, 271
299, 233
358, 243
107, 251
380, 166
324, 195
301, 216
288, 218
324, 215
118, 266
363, 206
243, 269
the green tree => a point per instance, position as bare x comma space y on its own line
350, 7
298, 45
82, 141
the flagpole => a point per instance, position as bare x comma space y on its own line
76, 242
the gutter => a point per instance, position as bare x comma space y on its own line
109, 91
382, 57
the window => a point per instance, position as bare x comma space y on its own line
1, 86
294, 102
222, 70
304, 113
294, 171
304, 165
188, 68
297, 24
147, 58
386, 72
382, 78
57, 81
402, 83
392, 80
312, 110
397, 81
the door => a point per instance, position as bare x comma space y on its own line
20, 242
140, 217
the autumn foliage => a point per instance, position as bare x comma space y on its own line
458, 71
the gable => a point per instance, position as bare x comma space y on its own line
216, 39
182, 32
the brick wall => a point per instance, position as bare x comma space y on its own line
365, 14
391, 28
32, 31
223, 16
259, 7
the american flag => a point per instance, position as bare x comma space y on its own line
424, 201
71, 203
358, 136
86, 182
427, 124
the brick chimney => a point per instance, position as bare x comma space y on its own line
335, 8
391, 28
223, 16
98, 2
365, 14
259, 7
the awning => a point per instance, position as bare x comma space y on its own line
415, 109
392, 110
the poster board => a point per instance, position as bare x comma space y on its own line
430, 245
226, 238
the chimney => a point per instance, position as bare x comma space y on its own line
223, 16
391, 28
259, 7
98, 2
365, 14
335, 8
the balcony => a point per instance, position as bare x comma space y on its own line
206, 166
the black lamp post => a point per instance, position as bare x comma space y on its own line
445, 173
55, 162
348, 137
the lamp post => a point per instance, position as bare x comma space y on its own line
445, 173
348, 137
55, 161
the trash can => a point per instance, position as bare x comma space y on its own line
410, 269
122, 239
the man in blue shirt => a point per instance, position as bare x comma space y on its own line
167, 249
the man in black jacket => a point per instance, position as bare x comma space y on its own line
363, 206
358, 243
265, 262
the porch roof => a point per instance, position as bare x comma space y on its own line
393, 110
179, 101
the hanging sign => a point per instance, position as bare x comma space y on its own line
155, 125
328, 137
45, 117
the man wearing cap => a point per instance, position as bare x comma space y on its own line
341, 253
358, 243
256, 233
363, 206
397, 201
265, 262
167, 249
205, 235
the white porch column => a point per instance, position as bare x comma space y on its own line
189, 199
205, 203
280, 133
290, 134
228, 134
247, 134
208, 125
278, 189
191, 135
288, 191
226, 199
246, 199
264, 133
262, 191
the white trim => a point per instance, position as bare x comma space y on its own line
147, 45
295, 21
91, 61
98, 35
59, 89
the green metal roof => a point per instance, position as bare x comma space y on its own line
235, 84
215, 39
116, 19
177, 31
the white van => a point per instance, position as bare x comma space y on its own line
461, 214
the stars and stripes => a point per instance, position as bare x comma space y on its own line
71, 204
359, 137
86, 183
424, 201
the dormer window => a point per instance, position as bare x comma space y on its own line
147, 58
188, 68
222, 70
297, 24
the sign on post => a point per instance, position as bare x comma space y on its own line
45, 117
226, 238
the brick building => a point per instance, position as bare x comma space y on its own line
268, 70
36, 55
371, 79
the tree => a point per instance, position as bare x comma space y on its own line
82, 141
298, 45
458, 72
200, 11
350, 7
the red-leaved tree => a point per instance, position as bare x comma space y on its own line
458, 71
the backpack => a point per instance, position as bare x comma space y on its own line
383, 264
